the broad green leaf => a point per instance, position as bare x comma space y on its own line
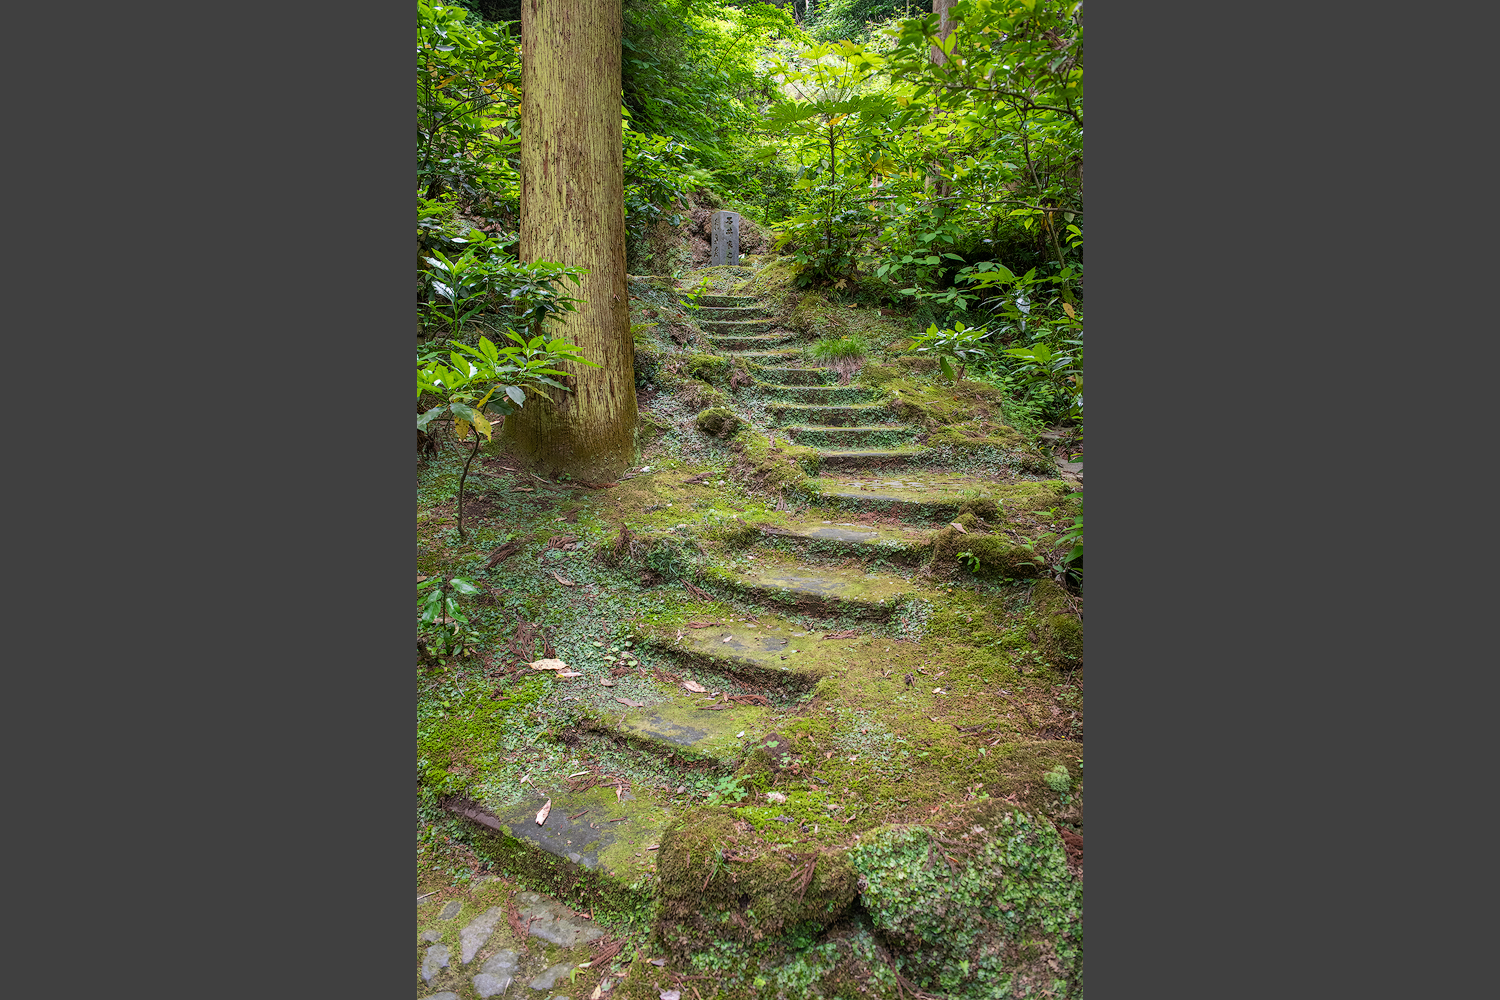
515, 393
462, 585
428, 417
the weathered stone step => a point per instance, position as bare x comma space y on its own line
934, 493
745, 342
902, 544
772, 645
821, 589
828, 415
841, 457
681, 724
814, 394
769, 357
856, 436
576, 832
727, 301
717, 313
738, 326
799, 376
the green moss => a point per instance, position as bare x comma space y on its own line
709, 367
719, 421
979, 913
718, 884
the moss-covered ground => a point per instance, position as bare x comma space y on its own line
825, 733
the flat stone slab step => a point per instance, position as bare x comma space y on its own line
769, 357
818, 588
758, 325
869, 435
870, 456
770, 644
829, 415
800, 376
813, 394
734, 312
936, 493
688, 725
747, 342
900, 543
722, 301
587, 839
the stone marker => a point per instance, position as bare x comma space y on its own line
726, 238
476, 932
437, 958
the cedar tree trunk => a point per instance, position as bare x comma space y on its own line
573, 212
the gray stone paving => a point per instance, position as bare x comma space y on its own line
476, 932
435, 962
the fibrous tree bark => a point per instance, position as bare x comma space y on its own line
573, 212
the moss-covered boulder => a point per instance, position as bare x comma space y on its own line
708, 367
719, 883
719, 421
991, 912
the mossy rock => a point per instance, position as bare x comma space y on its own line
997, 555
977, 914
1061, 633
718, 884
720, 421
697, 394
708, 367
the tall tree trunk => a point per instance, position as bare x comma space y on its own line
936, 186
573, 212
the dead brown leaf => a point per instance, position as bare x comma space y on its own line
541, 814
631, 704
562, 579
695, 687
848, 633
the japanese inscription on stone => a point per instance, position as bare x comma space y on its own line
726, 238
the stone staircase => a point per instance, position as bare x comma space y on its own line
700, 698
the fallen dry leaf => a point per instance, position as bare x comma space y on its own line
541, 814
959, 528
631, 704
548, 665
562, 579
607, 682
848, 633
695, 687
523, 489
728, 638
568, 673
670, 995
689, 624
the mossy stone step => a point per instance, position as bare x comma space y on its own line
682, 725
755, 654
814, 394
759, 325
768, 357
869, 456
586, 842
868, 435
822, 589
716, 313
935, 493
836, 415
726, 301
746, 342
771, 646
800, 376
904, 544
